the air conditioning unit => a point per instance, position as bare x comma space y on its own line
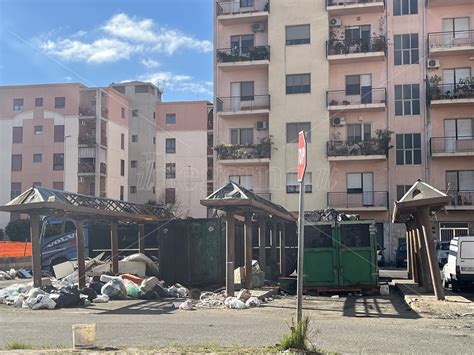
261, 125
335, 22
258, 27
432, 63
338, 121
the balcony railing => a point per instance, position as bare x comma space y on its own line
243, 151
243, 54
369, 45
451, 39
243, 103
351, 148
452, 91
234, 7
452, 144
330, 3
354, 200
366, 96
88, 139
462, 198
86, 111
86, 168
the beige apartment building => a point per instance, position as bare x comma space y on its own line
383, 88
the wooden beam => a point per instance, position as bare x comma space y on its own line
274, 232
283, 249
81, 263
36, 249
114, 246
141, 238
409, 255
248, 251
230, 253
261, 244
424, 267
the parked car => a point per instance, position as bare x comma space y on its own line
442, 251
459, 270
380, 256
401, 256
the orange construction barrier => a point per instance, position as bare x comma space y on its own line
14, 249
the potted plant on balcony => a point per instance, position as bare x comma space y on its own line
333, 103
382, 140
465, 88
379, 44
435, 90
264, 147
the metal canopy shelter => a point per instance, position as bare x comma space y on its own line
39, 201
237, 200
415, 209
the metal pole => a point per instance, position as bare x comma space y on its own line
114, 246
81, 264
230, 253
141, 238
299, 309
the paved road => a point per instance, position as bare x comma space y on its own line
346, 324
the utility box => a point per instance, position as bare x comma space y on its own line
340, 254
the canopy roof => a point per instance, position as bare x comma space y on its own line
419, 195
233, 196
42, 201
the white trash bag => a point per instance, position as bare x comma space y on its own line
234, 303
253, 302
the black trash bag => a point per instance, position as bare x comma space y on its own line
161, 292
149, 295
49, 289
67, 297
97, 286
89, 292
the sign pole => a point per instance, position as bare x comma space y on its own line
301, 172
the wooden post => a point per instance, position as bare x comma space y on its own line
230, 253
141, 238
114, 246
248, 251
274, 231
419, 271
81, 263
409, 255
261, 244
36, 249
424, 267
414, 255
282, 249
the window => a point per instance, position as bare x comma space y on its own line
17, 135
461, 180
154, 114
170, 145
15, 189
39, 101
16, 162
122, 167
37, 184
293, 129
453, 76
154, 140
299, 34
170, 118
293, 186
247, 3
141, 89
120, 89
38, 129
405, 7
358, 38
359, 182
122, 112
407, 100
58, 185
408, 147
358, 132
360, 85
241, 136
402, 190
133, 189
37, 158
170, 170
353, 85
122, 141
133, 163
134, 113
406, 49
170, 195
134, 138
298, 83
243, 180
59, 102
122, 193
17, 104
459, 26
58, 161
458, 128
247, 91
59, 133
242, 44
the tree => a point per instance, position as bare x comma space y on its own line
19, 230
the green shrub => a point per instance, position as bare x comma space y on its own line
19, 230
298, 337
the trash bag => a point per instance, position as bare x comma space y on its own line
115, 289
97, 286
132, 288
149, 283
35, 292
41, 301
68, 296
234, 303
162, 292
186, 305
253, 302
148, 295
101, 299
89, 292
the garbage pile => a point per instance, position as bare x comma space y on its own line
243, 300
329, 215
13, 274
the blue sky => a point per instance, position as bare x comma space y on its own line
96, 42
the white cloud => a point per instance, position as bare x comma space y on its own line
68, 78
150, 63
178, 82
121, 25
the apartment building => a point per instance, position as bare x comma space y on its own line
383, 88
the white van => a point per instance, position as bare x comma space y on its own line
459, 270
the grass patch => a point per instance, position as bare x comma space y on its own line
298, 337
22, 345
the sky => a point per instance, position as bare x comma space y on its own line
97, 42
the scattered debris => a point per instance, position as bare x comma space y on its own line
234, 303
186, 305
329, 215
253, 302
243, 295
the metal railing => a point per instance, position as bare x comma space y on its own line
351, 148
462, 198
90, 111
362, 199
450, 39
86, 168
452, 91
369, 96
88, 139
243, 54
452, 144
243, 103
369, 45
330, 3
243, 151
234, 7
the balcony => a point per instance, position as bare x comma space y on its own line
368, 99
90, 112
229, 59
363, 150
88, 167
452, 146
435, 3
365, 50
452, 94
242, 11
354, 7
246, 154
461, 200
370, 200
451, 43
242, 106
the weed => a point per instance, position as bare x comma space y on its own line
21, 345
298, 336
